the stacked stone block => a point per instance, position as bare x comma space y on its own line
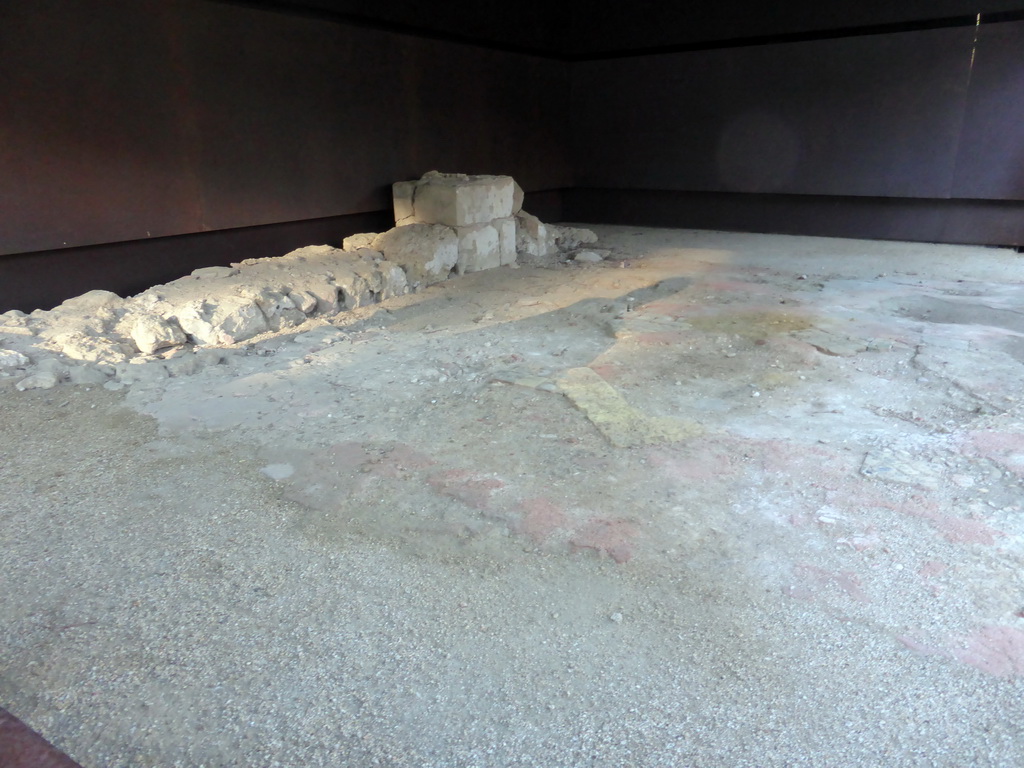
479, 209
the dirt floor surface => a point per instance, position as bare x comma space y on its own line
719, 500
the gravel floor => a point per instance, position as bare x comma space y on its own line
391, 541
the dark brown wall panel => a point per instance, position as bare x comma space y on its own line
876, 115
988, 222
539, 25
91, 146
298, 118
130, 119
645, 24
991, 158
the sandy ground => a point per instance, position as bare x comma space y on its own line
722, 500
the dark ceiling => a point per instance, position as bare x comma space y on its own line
574, 29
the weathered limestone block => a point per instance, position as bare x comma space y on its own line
276, 306
233, 319
308, 253
427, 252
88, 375
304, 301
92, 349
402, 193
355, 242
91, 301
571, 238
213, 273
457, 200
359, 283
14, 322
142, 371
517, 198
321, 288
532, 236
151, 333
479, 248
506, 239
393, 280
10, 358
42, 380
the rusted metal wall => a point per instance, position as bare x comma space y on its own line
916, 135
878, 115
134, 119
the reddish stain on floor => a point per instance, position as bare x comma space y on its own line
540, 519
995, 650
607, 371
931, 569
462, 485
673, 309
1004, 448
701, 459
661, 338
395, 461
811, 580
615, 538
959, 530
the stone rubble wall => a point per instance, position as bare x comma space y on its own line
446, 224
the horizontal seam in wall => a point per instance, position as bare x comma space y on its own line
802, 37
411, 30
365, 22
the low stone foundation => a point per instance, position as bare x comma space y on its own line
446, 224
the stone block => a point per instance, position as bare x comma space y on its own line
321, 288
517, 198
571, 238
213, 273
87, 375
362, 240
402, 193
506, 239
231, 320
92, 349
10, 358
393, 280
479, 248
43, 380
151, 333
532, 237
308, 253
276, 306
92, 301
457, 200
427, 252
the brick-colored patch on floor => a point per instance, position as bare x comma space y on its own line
395, 460
931, 568
959, 530
1004, 448
607, 371
995, 650
540, 519
702, 459
811, 580
673, 309
661, 338
462, 485
615, 538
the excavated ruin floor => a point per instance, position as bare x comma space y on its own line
720, 500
